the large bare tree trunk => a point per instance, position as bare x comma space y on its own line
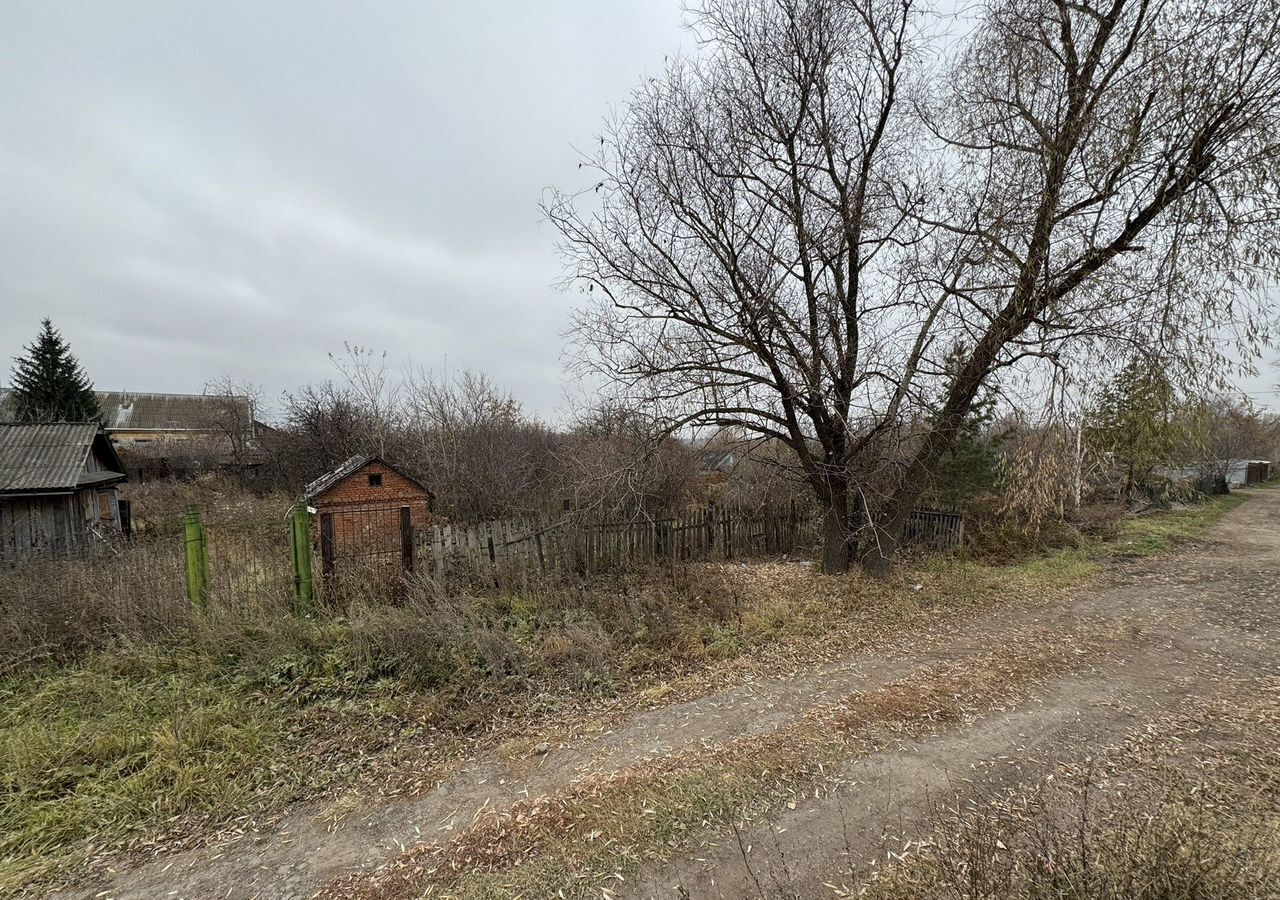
837, 537
880, 545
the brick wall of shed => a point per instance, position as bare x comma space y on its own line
367, 519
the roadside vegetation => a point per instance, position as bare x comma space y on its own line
602, 828
131, 722
1186, 811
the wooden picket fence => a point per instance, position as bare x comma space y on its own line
935, 529
512, 546
234, 561
575, 544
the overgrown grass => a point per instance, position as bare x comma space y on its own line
1169, 825
139, 715
93, 755
1170, 843
1159, 532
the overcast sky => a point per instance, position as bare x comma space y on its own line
192, 189
197, 188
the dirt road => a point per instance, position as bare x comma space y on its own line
1194, 625
1170, 629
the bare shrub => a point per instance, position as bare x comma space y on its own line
618, 465
431, 642
56, 610
580, 650
1168, 840
476, 448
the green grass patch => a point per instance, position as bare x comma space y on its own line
1160, 532
1061, 569
135, 742
88, 756
1135, 536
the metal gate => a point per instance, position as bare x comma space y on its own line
366, 541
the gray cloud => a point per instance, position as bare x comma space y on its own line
198, 188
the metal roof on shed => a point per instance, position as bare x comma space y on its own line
50, 457
332, 477
350, 467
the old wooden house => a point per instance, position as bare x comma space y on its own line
58, 488
368, 510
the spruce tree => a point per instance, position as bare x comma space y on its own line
48, 384
1138, 420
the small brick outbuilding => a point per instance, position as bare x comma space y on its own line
368, 509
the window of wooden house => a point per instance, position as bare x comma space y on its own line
375, 480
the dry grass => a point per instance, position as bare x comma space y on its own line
267, 708
576, 840
1186, 810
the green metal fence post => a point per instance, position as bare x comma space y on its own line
197, 555
303, 586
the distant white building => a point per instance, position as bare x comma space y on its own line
1235, 472
1247, 471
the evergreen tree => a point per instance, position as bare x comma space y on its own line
1139, 420
48, 384
971, 467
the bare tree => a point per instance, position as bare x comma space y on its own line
792, 237
1226, 431
617, 463
231, 416
371, 384
743, 200
323, 425
473, 444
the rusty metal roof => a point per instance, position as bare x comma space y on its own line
53, 457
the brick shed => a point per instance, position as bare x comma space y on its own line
368, 509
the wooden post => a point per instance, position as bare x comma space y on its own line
406, 538
327, 553
303, 585
197, 556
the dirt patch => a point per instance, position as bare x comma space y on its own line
590, 830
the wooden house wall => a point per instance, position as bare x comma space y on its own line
55, 523
42, 523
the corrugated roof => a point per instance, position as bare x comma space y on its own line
127, 411
45, 457
332, 477
352, 465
